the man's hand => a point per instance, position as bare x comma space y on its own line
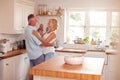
36, 33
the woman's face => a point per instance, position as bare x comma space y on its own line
50, 24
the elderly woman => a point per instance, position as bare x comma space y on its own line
50, 37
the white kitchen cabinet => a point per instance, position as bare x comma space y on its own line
112, 67
14, 14
7, 69
15, 68
21, 14
105, 73
22, 67
18, 17
97, 54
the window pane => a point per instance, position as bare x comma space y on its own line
97, 18
77, 18
115, 34
74, 33
115, 18
98, 33
75, 28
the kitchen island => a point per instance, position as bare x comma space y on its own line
56, 69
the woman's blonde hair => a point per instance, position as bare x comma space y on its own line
55, 23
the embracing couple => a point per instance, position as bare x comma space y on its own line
39, 44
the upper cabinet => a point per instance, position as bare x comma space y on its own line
13, 15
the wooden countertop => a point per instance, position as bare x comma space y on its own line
91, 69
71, 50
111, 52
13, 53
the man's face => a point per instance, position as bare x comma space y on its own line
33, 21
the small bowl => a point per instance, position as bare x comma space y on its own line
78, 42
73, 60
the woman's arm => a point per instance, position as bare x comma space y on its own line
51, 37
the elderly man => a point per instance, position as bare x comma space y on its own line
33, 45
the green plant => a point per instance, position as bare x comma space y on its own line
86, 39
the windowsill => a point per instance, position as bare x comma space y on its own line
76, 46
85, 46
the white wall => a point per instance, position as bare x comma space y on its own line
12, 37
111, 4
86, 4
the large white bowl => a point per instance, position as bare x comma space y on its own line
73, 60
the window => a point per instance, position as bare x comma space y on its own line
97, 18
97, 25
115, 18
98, 33
92, 24
76, 23
115, 27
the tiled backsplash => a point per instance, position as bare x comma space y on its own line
12, 37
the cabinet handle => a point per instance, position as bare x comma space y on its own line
7, 64
26, 57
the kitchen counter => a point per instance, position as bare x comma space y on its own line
12, 53
56, 69
111, 52
71, 50
75, 50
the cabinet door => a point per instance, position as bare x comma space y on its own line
1, 68
112, 67
9, 69
27, 10
21, 13
26, 67
105, 73
22, 67
18, 23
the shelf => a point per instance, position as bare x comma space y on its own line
50, 15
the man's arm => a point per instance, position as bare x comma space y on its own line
45, 42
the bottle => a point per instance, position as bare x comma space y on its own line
98, 42
15, 47
93, 42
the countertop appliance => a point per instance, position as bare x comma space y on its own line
5, 46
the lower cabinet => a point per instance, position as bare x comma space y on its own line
7, 69
14, 68
22, 67
112, 66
